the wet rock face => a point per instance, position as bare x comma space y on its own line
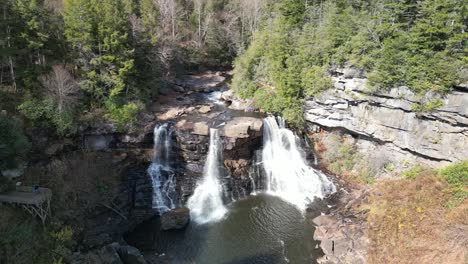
131, 206
388, 120
241, 136
175, 219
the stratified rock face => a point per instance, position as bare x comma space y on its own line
175, 219
389, 121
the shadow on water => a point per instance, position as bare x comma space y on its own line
259, 259
259, 229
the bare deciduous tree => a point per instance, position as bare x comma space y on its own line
61, 88
168, 10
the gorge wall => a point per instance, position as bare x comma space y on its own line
388, 124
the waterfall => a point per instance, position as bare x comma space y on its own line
287, 174
206, 203
162, 175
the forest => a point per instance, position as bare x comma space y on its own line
66, 65
68, 61
418, 44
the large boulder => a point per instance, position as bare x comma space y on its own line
204, 109
236, 103
243, 127
131, 255
109, 255
201, 128
175, 219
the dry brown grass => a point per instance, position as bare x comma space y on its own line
410, 222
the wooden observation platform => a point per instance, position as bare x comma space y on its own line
36, 203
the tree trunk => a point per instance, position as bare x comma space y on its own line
199, 25
10, 61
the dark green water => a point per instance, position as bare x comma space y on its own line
259, 229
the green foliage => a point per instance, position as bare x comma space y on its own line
420, 44
44, 114
292, 12
24, 240
125, 114
98, 32
413, 172
31, 33
14, 145
345, 159
457, 176
428, 106
316, 79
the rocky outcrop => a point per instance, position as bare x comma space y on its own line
131, 205
388, 121
111, 254
236, 103
241, 136
342, 233
205, 82
175, 219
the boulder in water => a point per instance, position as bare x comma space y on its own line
204, 109
109, 255
131, 255
175, 219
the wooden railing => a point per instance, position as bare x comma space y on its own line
36, 203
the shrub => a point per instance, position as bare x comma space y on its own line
125, 114
44, 114
428, 106
316, 79
413, 172
457, 176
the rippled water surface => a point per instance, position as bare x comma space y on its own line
259, 229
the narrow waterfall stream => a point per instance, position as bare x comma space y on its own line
162, 175
206, 203
288, 175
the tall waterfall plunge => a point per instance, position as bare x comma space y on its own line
206, 203
287, 174
162, 175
